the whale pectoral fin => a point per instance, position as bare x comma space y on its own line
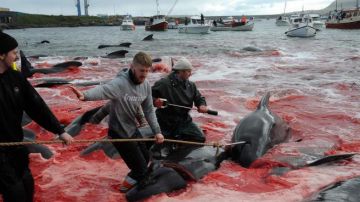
25, 119
43, 150
329, 158
93, 147
25, 66
110, 150
29, 135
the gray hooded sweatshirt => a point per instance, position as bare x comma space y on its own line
126, 98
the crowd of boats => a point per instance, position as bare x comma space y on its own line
300, 25
306, 25
193, 24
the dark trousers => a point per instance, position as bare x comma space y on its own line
16, 181
188, 131
185, 131
135, 155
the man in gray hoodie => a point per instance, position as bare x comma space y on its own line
128, 92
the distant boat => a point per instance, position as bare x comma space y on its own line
344, 19
283, 20
317, 22
157, 22
127, 23
231, 24
173, 25
194, 26
301, 27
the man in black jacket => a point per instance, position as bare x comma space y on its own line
175, 122
16, 96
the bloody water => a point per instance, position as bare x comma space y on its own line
314, 85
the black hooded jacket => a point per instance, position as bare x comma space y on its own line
16, 96
176, 91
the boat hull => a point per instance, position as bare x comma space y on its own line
203, 29
128, 27
162, 26
282, 23
343, 25
246, 27
303, 31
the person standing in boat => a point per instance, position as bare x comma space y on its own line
16, 96
243, 20
128, 92
202, 20
176, 122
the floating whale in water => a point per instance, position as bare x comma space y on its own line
252, 49
344, 191
149, 38
49, 82
261, 130
38, 56
116, 54
28, 70
120, 45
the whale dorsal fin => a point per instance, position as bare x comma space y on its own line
264, 102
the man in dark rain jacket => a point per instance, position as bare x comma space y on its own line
17, 96
175, 122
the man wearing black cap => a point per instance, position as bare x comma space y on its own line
176, 122
16, 96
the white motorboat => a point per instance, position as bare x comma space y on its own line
301, 27
194, 26
127, 23
317, 22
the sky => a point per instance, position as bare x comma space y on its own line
148, 7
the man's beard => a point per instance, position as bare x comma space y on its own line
133, 78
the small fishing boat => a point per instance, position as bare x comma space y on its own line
301, 26
194, 26
127, 23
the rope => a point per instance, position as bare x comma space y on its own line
213, 144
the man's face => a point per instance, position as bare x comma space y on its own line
185, 74
140, 72
9, 58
